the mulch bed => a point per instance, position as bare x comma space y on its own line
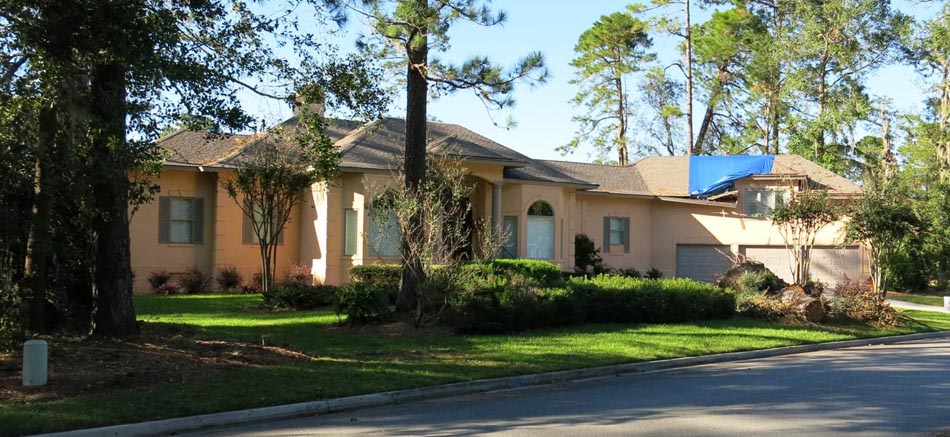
82, 365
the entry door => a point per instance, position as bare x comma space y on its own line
540, 237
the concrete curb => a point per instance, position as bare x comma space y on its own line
192, 423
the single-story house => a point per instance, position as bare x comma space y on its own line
686, 216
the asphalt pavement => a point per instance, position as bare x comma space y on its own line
899, 389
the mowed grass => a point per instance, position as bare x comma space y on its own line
923, 299
354, 361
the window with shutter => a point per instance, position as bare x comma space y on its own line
180, 220
350, 231
616, 230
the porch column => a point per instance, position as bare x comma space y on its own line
496, 207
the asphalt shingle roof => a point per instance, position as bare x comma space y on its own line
203, 148
197, 148
380, 145
544, 171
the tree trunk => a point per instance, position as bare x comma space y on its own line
37, 252
417, 96
689, 81
707, 121
802, 305
621, 122
114, 314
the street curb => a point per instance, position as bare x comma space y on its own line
192, 423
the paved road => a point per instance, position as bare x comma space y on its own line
880, 390
916, 306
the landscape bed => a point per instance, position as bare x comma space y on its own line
210, 353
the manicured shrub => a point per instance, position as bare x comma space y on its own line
299, 296
504, 308
298, 274
363, 303
378, 275
194, 280
587, 259
534, 272
605, 298
620, 299
159, 278
654, 273
859, 302
229, 278
168, 289
628, 273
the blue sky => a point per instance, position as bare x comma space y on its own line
543, 114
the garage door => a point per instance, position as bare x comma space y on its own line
831, 265
776, 259
702, 262
828, 264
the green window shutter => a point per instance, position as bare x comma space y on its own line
198, 229
350, 224
626, 235
163, 222
606, 245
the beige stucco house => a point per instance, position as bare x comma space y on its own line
641, 215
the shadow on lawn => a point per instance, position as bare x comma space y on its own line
341, 361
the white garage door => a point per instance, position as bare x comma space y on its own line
831, 265
828, 264
776, 259
702, 262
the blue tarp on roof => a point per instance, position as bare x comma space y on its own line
710, 175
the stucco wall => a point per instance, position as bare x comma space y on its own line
230, 249
148, 255
223, 238
590, 221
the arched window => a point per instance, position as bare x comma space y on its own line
540, 231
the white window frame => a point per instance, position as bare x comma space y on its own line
351, 239
172, 220
759, 202
616, 230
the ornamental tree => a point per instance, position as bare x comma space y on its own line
799, 220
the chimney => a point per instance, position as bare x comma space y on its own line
301, 106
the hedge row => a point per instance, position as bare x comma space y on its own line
603, 298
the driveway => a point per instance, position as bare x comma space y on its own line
901, 389
916, 306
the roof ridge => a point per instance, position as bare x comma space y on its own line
172, 135
585, 163
358, 131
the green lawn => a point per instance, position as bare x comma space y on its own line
354, 362
923, 299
